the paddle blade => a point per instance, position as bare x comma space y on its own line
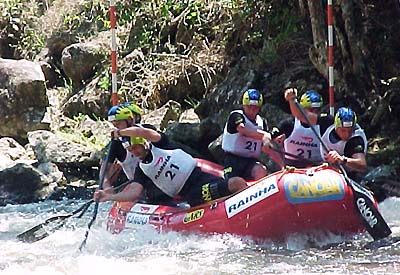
33, 235
370, 216
42, 230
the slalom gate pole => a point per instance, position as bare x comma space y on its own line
114, 94
330, 58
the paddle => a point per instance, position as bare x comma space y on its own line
50, 225
370, 217
96, 204
308, 161
277, 158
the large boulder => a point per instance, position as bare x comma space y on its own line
51, 148
11, 149
90, 100
23, 98
22, 183
163, 116
80, 61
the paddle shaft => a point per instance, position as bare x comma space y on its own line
96, 204
294, 156
364, 202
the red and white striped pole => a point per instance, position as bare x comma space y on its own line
114, 93
330, 59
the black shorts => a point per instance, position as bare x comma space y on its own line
202, 187
237, 166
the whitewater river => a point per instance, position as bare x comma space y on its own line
143, 251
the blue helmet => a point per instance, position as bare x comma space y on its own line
311, 99
119, 112
345, 117
252, 97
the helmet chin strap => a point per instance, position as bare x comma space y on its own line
129, 122
136, 118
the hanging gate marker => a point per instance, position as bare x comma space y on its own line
330, 58
114, 94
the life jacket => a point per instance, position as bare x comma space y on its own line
339, 145
303, 142
169, 169
241, 145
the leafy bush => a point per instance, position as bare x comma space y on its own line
17, 24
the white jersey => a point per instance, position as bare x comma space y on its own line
303, 142
169, 169
129, 165
241, 145
339, 145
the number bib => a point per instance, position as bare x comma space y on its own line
303, 142
340, 145
169, 169
241, 145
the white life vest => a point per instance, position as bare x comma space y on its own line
241, 145
169, 169
340, 144
303, 142
129, 165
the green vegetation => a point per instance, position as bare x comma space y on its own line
93, 17
193, 103
73, 133
165, 31
161, 43
18, 23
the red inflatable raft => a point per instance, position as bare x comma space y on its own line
290, 201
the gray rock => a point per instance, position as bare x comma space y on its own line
23, 98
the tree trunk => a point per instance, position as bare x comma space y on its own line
318, 52
362, 31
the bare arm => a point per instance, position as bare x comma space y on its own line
112, 172
357, 162
132, 193
253, 133
135, 131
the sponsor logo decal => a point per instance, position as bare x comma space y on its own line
205, 192
308, 139
135, 216
159, 160
302, 143
251, 196
322, 186
366, 212
358, 188
165, 162
193, 216
144, 208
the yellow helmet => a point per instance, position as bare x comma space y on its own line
119, 112
311, 99
129, 141
135, 109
